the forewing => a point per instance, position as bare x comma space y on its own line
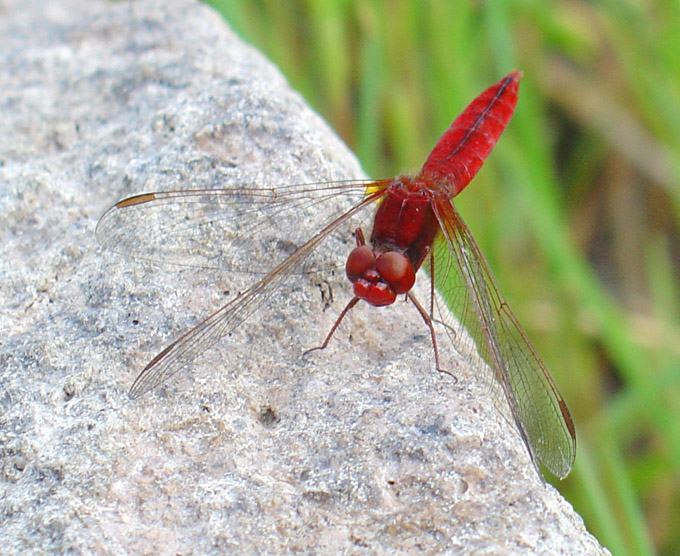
183, 351
216, 228
465, 281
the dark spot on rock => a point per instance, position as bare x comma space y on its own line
268, 416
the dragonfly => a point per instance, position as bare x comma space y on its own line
415, 224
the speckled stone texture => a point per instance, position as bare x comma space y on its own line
360, 449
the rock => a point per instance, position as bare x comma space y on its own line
361, 448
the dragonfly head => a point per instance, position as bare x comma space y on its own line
379, 277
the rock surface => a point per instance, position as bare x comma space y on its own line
362, 448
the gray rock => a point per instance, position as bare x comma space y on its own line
361, 448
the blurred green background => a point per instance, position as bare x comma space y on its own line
577, 209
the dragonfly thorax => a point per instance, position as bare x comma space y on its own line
379, 277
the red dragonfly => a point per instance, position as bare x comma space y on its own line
415, 221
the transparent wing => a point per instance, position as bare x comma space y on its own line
214, 228
465, 281
183, 351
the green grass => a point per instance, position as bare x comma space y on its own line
576, 210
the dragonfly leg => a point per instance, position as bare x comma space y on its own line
359, 236
342, 315
428, 321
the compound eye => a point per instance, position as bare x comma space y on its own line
359, 261
396, 270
